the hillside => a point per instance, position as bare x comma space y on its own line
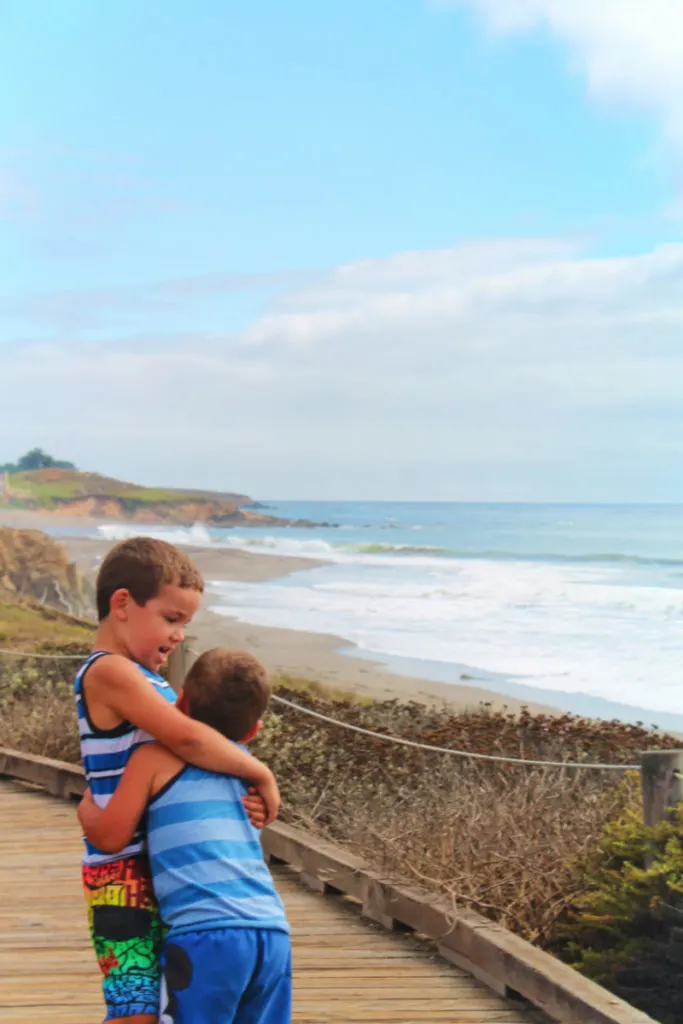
26, 625
69, 492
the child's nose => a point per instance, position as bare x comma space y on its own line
178, 634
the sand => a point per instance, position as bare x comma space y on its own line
295, 653
25, 519
318, 656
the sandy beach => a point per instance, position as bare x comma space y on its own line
318, 656
297, 653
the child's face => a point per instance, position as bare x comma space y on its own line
153, 631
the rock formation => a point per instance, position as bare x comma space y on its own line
34, 566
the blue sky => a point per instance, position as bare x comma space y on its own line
388, 249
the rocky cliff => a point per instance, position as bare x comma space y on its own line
34, 567
63, 492
178, 512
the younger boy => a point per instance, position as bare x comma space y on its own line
147, 592
227, 954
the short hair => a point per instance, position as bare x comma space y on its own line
229, 690
142, 566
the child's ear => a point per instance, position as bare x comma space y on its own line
182, 703
118, 604
253, 732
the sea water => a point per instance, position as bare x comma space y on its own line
577, 605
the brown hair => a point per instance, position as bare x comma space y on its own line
229, 690
142, 566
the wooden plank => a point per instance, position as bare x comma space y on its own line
484, 949
503, 961
506, 963
346, 970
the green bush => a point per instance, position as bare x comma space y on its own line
626, 930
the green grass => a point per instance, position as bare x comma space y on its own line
28, 626
52, 486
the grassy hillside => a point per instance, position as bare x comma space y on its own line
47, 488
29, 626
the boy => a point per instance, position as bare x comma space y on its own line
227, 955
147, 592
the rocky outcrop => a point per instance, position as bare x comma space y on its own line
34, 566
178, 513
70, 493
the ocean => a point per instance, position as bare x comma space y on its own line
574, 605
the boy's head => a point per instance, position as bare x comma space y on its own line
147, 592
229, 690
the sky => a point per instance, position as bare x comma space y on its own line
359, 249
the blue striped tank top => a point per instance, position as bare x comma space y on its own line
105, 754
207, 864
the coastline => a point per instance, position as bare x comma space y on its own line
330, 659
28, 519
298, 653
321, 657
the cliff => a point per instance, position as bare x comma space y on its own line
64, 492
36, 570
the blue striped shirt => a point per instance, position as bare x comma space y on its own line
207, 864
105, 754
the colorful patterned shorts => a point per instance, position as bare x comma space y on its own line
127, 934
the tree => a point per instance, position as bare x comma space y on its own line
35, 459
626, 930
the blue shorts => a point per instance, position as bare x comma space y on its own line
231, 976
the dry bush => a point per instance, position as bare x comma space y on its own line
508, 845
507, 840
38, 712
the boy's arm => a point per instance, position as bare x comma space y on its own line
119, 685
112, 827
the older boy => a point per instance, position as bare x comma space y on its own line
147, 592
227, 954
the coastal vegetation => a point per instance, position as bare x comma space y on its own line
625, 929
35, 459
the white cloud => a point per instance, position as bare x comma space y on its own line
449, 287
514, 370
629, 50
79, 309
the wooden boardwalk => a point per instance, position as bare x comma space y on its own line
346, 970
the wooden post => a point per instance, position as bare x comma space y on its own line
176, 668
661, 773
179, 663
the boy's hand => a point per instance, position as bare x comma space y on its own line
267, 789
88, 811
255, 806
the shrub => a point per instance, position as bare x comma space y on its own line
626, 929
505, 839
38, 712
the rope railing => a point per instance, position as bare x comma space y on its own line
40, 654
385, 737
529, 762
401, 741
